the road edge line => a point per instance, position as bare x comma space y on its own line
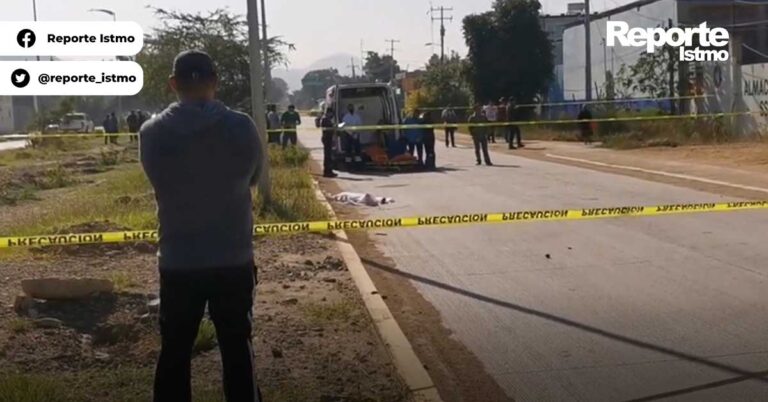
659, 173
408, 365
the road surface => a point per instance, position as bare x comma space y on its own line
622, 309
8, 145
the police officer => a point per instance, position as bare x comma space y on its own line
329, 130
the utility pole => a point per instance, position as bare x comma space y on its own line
34, 98
392, 54
588, 40
267, 68
352, 65
257, 96
442, 19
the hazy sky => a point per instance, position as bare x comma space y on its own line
317, 27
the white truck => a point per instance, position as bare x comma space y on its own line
76, 123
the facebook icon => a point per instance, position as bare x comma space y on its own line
26, 38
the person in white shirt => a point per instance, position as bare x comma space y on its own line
491, 113
350, 140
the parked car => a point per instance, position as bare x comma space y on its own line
76, 123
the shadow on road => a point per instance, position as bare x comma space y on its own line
696, 388
743, 374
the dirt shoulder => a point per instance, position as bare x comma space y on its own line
740, 164
313, 339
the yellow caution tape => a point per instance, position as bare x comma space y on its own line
439, 125
389, 223
577, 103
542, 122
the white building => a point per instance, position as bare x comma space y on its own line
732, 86
6, 115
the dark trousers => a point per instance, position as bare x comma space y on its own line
429, 150
327, 153
110, 138
419, 148
289, 136
351, 145
450, 135
274, 137
228, 291
492, 133
481, 142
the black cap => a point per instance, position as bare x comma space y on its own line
194, 66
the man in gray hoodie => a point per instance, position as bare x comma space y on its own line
202, 159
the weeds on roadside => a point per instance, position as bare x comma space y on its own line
109, 157
28, 388
57, 177
19, 325
123, 281
206, 337
340, 311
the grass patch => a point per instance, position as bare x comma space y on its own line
124, 384
23, 388
123, 281
206, 337
19, 325
124, 197
293, 192
47, 149
340, 311
12, 195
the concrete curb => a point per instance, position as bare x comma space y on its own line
408, 365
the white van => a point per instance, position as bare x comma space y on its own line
375, 103
76, 123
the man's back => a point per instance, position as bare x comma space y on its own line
477, 118
290, 119
201, 160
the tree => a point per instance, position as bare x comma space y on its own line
314, 84
443, 83
378, 68
278, 91
649, 76
219, 33
509, 53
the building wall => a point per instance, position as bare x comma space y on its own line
604, 58
6, 115
755, 97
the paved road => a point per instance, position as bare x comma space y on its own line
8, 145
624, 309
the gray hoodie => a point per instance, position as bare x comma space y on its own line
201, 159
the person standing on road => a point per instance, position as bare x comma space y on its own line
491, 113
415, 136
351, 139
515, 134
274, 126
133, 124
449, 117
329, 130
429, 142
110, 128
501, 117
201, 159
290, 121
585, 125
479, 135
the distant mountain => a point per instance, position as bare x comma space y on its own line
293, 76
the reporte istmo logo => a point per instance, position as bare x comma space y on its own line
699, 43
